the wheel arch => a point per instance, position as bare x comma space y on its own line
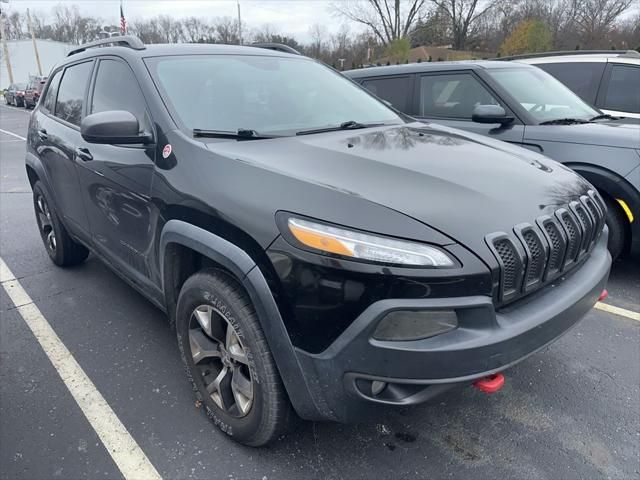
610, 184
179, 240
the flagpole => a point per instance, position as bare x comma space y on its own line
239, 24
35, 45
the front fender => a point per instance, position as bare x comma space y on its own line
244, 269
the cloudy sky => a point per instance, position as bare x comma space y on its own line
293, 17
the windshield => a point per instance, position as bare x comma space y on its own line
544, 97
20, 86
266, 94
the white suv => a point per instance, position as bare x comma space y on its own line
608, 80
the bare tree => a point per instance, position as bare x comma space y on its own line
15, 26
389, 20
227, 31
319, 35
340, 41
196, 30
594, 18
462, 15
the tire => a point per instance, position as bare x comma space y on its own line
256, 410
62, 249
616, 222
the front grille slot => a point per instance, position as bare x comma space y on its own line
536, 255
586, 225
574, 237
511, 266
557, 246
596, 215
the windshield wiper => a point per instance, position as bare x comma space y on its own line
349, 125
604, 116
564, 121
240, 134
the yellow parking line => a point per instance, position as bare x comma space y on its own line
623, 312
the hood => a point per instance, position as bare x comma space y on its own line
464, 185
602, 133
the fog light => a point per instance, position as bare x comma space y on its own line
377, 387
403, 325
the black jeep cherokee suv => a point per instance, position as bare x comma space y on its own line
316, 250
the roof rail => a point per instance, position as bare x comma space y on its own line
279, 47
129, 41
620, 53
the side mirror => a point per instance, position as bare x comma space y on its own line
114, 126
491, 114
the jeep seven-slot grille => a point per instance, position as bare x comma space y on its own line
533, 254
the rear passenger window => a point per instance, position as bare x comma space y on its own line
623, 90
71, 92
116, 88
52, 90
452, 96
394, 90
582, 78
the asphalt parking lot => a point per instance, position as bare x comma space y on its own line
570, 411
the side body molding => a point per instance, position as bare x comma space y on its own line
242, 266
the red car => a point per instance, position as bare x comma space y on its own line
14, 95
33, 91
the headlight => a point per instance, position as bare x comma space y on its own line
348, 243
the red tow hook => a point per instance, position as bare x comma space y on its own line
490, 383
603, 295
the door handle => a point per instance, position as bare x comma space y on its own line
84, 154
42, 133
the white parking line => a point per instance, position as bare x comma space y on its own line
15, 109
124, 450
623, 312
12, 134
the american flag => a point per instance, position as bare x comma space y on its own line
123, 21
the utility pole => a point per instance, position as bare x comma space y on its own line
35, 45
239, 24
5, 48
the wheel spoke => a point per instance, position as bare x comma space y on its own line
202, 346
203, 315
43, 213
51, 240
234, 347
242, 389
220, 390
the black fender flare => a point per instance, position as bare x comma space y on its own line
245, 270
35, 164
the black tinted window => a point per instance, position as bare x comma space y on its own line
582, 78
623, 91
52, 90
117, 89
71, 92
394, 90
452, 96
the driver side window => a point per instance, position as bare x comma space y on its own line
452, 96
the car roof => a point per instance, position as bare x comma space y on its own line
429, 67
137, 49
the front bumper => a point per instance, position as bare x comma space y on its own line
486, 341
